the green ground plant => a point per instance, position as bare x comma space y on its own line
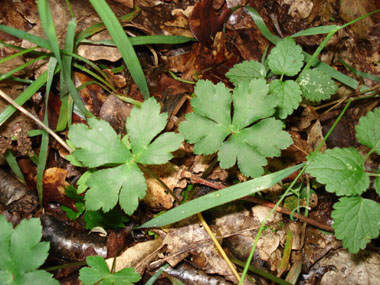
22, 253
356, 219
98, 273
236, 126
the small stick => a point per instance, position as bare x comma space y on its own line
199, 180
31, 116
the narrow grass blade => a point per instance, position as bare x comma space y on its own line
359, 73
23, 97
123, 44
316, 31
42, 157
12, 56
21, 67
41, 42
49, 29
147, 40
12, 162
65, 113
100, 26
220, 197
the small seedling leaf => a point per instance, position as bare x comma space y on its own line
246, 71
342, 170
286, 58
368, 130
98, 271
356, 222
22, 252
288, 96
316, 85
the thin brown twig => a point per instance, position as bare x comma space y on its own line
31, 116
199, 180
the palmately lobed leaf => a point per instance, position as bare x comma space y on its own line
98, 271
22, 253
251, 146
286, 58
316, 85
124, 183
251, 103
368, 130
341, 169
212, 102
97, 144
288, 95
144, 124
159, 151
206, 135
356, 222
246, 71
377, 182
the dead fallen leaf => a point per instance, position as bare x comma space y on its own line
137, 256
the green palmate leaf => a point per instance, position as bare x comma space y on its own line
252, 145
342, 170
113, 219
377, 182
143, 125
210, 124
246, 71
316, 85
368, 130
286, 58
97, 144
126, 181
22, 253
356, 222
251, 103
288, 96
98, 271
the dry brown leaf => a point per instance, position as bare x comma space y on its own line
137, 256
156, 195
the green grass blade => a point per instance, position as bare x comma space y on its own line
49, 29
220, 197
23, 97
12, 162
100, 26
93, 74
12, 56
123, 44
41, 42
316, 31
21, 67
42, 157
360, 73
65, 114
147, 40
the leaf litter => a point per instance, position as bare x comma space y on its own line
237, 226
